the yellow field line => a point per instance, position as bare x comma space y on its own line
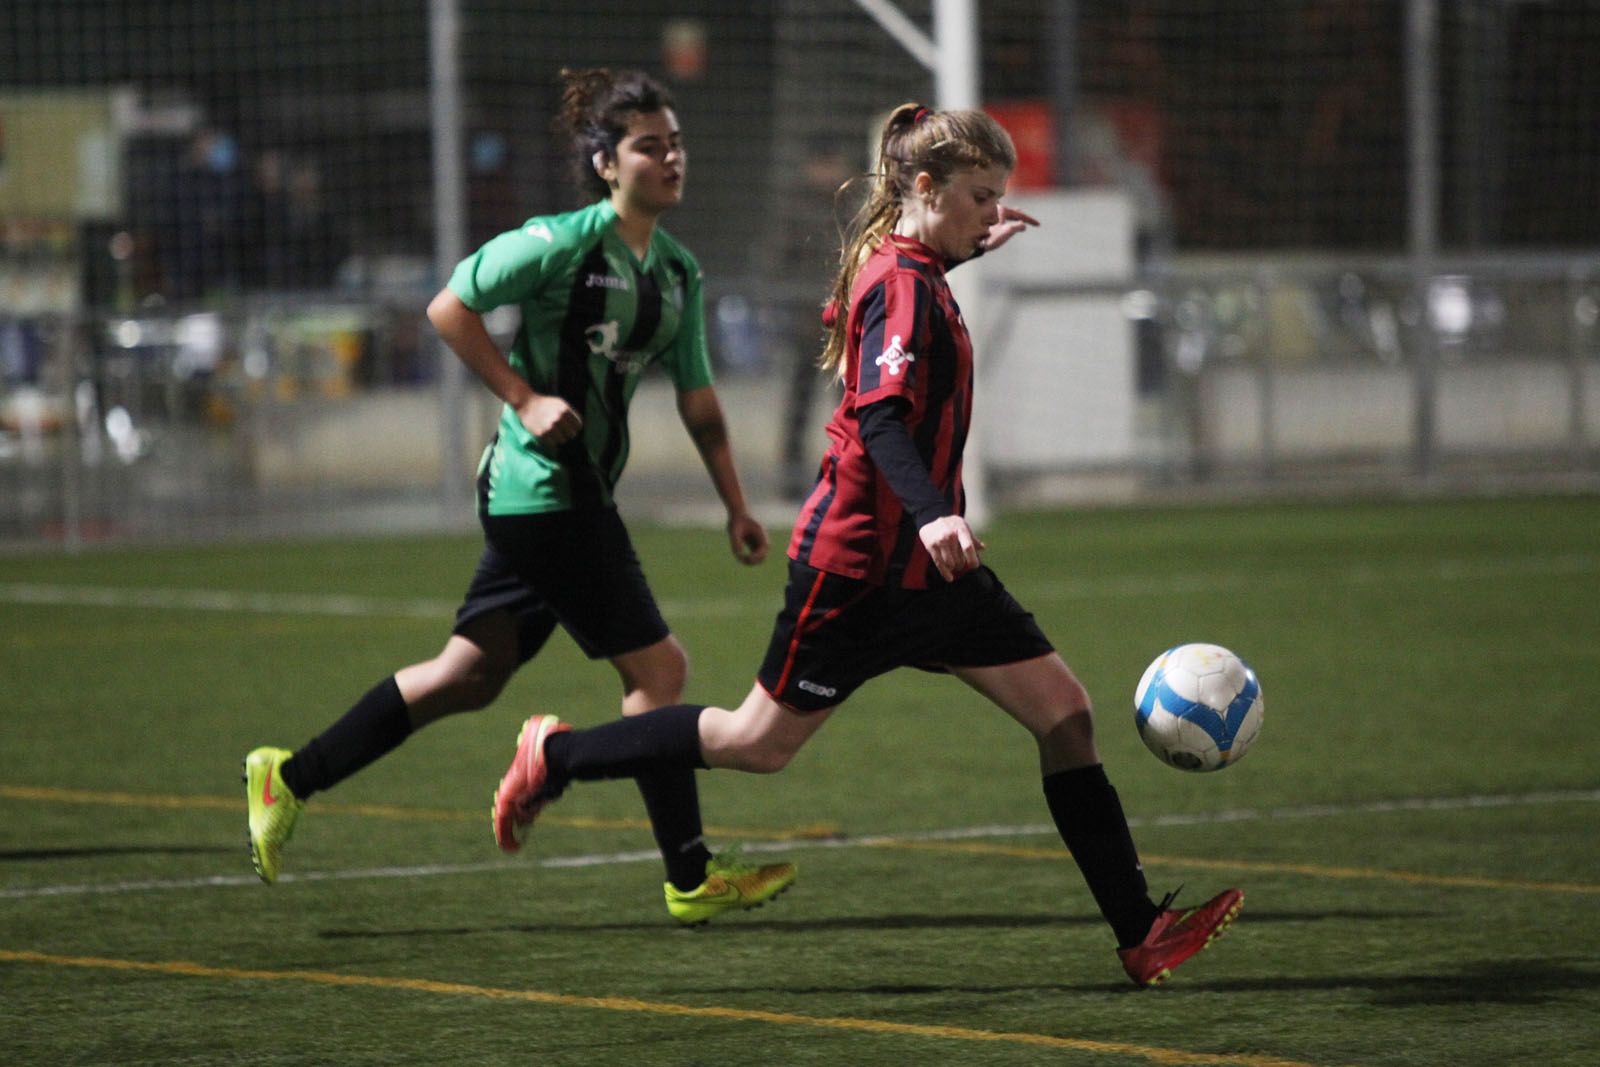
1314, 870
813, 832
382, 811
631, 1005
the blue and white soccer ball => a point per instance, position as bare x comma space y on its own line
1198, 707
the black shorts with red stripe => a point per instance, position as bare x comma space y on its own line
835, 633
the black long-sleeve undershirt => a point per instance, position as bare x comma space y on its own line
888, 441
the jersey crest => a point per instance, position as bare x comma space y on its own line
895, 356
602, 338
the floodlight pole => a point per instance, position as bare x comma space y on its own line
449, 228
955, 32
951, 56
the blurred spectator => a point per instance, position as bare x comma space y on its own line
266, 222
202, 254
289, 237
496, 203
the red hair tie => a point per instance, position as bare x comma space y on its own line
922, 113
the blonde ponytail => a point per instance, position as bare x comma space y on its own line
914, 139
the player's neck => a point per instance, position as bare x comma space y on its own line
635, 226
915, 228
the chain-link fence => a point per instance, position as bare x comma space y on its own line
218, 230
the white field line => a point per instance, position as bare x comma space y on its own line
610, 859
1440, 570
90, 596
221, 600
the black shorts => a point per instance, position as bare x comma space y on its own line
576, 568
835, 633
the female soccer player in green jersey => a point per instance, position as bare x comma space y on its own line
604, 293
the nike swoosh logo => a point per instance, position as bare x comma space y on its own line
266, 790
729, 892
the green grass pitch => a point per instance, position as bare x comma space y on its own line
1415, 830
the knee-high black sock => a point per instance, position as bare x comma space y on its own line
1089, 817
673, 801
660, 749
374, 726
661, 740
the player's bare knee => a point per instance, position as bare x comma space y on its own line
671, 676
1074, 696
765, 759
476, 685
1069, 740
753, 753
655, 679
474, 694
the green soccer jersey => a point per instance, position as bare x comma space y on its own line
593, 318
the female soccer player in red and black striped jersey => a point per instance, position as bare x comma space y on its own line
603, 293
884, 571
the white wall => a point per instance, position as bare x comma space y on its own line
1056, 370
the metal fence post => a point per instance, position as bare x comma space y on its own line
450, 226
1422, 208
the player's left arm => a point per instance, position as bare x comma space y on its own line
701, 413
950, 542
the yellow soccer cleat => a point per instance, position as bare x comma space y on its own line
273, 809
730, 885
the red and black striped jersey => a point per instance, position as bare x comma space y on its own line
904, 339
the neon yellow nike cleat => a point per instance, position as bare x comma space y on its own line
273, 809
730, 885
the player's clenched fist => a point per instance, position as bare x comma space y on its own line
550, 419
952, 545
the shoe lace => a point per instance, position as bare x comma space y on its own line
1166, 901
731, 861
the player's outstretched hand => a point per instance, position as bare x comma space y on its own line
1012, 222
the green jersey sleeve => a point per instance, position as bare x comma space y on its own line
507, 269
687, 360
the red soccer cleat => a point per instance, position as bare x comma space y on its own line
521, 797
1177, 935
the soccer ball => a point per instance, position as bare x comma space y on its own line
1198, 707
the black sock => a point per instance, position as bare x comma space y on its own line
661, 740
673, 801
1089, 817
660, 749
374, 726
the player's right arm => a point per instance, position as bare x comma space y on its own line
549, 419
506, 270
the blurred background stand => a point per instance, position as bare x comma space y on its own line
1313, 246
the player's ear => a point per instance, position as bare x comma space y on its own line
602, 165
